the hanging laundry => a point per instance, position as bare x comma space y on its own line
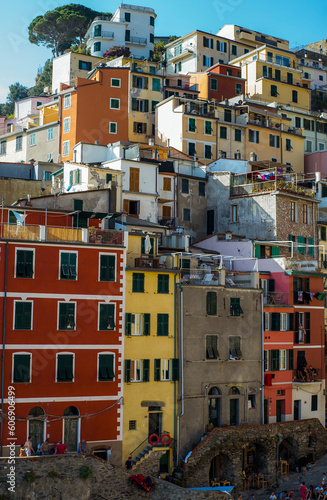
320, 296
300, 296
312, 295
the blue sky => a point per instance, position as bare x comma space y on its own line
299, 21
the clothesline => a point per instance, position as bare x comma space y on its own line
310, 295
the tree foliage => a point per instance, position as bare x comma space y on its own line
117, 51
159, 48
62, 27
43, 79
16, 92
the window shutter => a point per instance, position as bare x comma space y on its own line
175, 363
22, 368
126, 206
257, 251
271, 140
144, 128
275, 251
128, 324
134, 104
301, 248
275, 322
291, 322
71, 178
146, 105
146, 324
271, 285
310, 248
146, 82
146, 370
127, 370
157, 370
211, 61
204, 60
275, 360
307, 327
19, 316
290, 237
290, 359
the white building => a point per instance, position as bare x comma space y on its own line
67, 67
131, 26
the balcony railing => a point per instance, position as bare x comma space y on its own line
102, 34
274, 124
306, 375
63, 234
269, 186
276, 298
179, 54
136, 40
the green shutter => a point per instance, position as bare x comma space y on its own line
127, 370
22, 367
257, 251
211, 303
23, 316
134, 103
66, 316
301, 248
128, 324
107, 267
162, 324
275, 322
146, 105
71, 178
157, 370
310, 248
65, 367
175, 369
106, 367
291, 322
163, 283
146, 370
146, 324
138, 282
134, 84
275, 251
307, 327
146, 82
274, 359
107, 317
290, 359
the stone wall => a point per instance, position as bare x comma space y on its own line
106, 482
296, 440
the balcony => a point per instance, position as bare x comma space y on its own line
274, 124
179, 54
136, 40
276, 298
62, 234
307, 376
103, 34
218, 277
278, 60
268, 182
281, 80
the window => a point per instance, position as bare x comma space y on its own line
235, 306
140, 82
167, 184
191, 125
306, 214
202, 188
106, 317
238, 89
235, 348
227, 115
223, 132
221, 46
178, 67
293, 211
207, 151
266, 361
3, 148
314, 402
24, 264
251, 401
151, 21
21, 368
267, 322
211, 303
277, 74
66, 316
254, 136
68, 265
138, 283
275, 360
115, 82
137, 370
137, 324
132, 425
294, 95
191, 149
65, 368
162, 324
127, 17
290, 78
112, 127
212, 347
65, 148
114, 103
134, 179
273, 141
213, 84
298, 122
85, 65
139, 128
273, 90
321, 146
283, 322
47, 175
156, 84
32, 139
97, 47
288, 145
234, 213
50, 134
185, 186
23, 315
208, 128
282, 359
323, 233
106, 368
19, 143
163, 283
234, 50
207, 61
309, 146
166, 369
208, 42
67, 101
186, 214
66, 125
237, 135
153, 106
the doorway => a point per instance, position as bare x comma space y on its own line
297, 409
233, 412
214, 406
36, 426
155, 420
71, 423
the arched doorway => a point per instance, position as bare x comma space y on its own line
234, 406
36, 425
289, 451
221, 469
214, 406
71, 423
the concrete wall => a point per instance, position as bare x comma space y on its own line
196, 226
201, 374
44, 149
14, 189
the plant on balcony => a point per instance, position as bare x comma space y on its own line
116, 51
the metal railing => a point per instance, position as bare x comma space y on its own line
146, 445
278, 298
136, 40
268, 123
102, 34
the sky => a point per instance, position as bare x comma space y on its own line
299, 21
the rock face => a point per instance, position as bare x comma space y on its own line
296, 441
57, 477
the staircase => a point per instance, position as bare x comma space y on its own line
142, 455
145, 450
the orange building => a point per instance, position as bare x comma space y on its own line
94, 110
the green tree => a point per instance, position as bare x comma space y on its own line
62, 27
43, 79
16, 92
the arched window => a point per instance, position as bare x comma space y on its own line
36, 412
214, 406
234, 391
71, 411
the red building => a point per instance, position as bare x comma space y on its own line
62, 313
221, 81
293, 341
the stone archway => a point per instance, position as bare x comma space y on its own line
221, 468
289, 451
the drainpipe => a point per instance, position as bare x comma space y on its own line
3, 346
277, 458
182, 373
175, 356
262, 361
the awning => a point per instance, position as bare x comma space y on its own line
222, 489
58, 172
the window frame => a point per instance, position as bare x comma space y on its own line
108, 254
19, 143
115, 79
66, 127
14, 315
106, 353
207, 346
116, 99
282, 359
99, 318
32, 139
24, 249
60, 265
73, 367
67, 101
163, 283
110, 124
70, 302
238, 354
166, 365
65, 145
21, 353
186, 218
50, 136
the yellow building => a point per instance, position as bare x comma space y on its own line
273, 75
151, 366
